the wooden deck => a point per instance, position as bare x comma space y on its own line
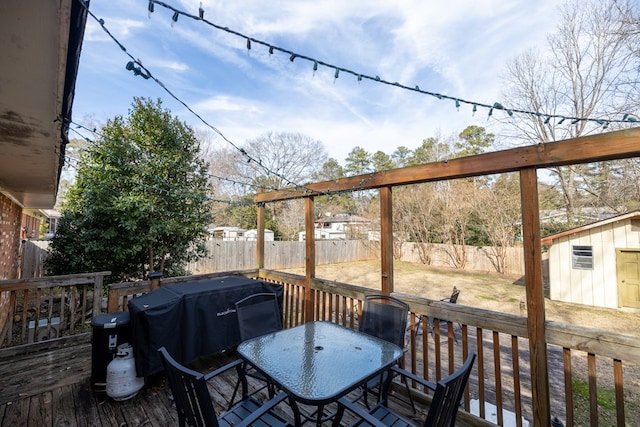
52, 388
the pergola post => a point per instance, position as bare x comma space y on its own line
386, 239
535, 297
310, 256
260, 237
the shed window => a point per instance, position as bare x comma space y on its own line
582, 257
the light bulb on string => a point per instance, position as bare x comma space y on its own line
315, 67
336, 75
474, 109
174, 18
150, 8
201, 11
458, 104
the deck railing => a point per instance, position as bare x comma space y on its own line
585, 365
48, 307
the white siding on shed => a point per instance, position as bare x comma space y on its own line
597, 286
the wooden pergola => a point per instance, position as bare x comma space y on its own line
526, 161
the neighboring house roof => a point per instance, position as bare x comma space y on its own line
40, 41
548, 240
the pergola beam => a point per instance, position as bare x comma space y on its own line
587, 149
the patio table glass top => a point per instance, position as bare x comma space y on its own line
319, 362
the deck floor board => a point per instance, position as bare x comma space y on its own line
53, 388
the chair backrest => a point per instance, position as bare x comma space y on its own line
384, 317
190, 393
454, 295
446, 399
258, 314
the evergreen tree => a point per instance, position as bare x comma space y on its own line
140, 201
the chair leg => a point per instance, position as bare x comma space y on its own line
233, 396
406, 385
365, 397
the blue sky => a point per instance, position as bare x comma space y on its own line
458, 48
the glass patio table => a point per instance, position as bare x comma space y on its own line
319, 362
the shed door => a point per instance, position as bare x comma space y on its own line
628, 269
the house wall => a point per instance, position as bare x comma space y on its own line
10, 217
596, 287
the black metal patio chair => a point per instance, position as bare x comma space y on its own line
195, 408
258, 314
384, 317
442, 410
453, 299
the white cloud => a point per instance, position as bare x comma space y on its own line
458, 49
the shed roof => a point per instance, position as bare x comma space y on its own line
548, 240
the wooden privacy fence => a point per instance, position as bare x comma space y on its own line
233, 255
508, 260
230, 255
44, 308
32, 256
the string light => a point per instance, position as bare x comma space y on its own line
144, 72
131, 66
293, 55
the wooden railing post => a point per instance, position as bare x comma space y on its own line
386, 240
260, 237
535, 297
310, 257
155, 277
97, 294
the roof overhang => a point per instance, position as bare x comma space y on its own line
40, 41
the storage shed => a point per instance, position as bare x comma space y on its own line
597, 264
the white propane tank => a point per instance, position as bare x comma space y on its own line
122, 383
